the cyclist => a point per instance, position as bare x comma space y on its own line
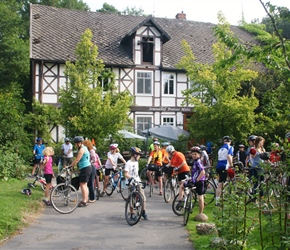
178, 161
197, 179
48, 152
83, 162
251, 142
165, 160
225, 160
154, 163
38, 156
241, 154
205, 158
151, 147
67, 152
111, 164
131, 171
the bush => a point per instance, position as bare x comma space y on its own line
11, 165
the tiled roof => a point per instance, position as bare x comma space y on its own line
56, 32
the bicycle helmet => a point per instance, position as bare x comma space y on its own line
66, 139
202, 147
135, 150
26, 191
252, 137
165, 144
241, 146
287, 135
155, 139
38, 139
114, 146
170, 149
78, 139
227, 138
196, 149
156, 143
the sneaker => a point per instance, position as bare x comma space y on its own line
179, 206
144, 216
133, 217
47, 203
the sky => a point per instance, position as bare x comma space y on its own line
195, 10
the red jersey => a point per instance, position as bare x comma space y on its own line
177, 159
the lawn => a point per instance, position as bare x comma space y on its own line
17, 210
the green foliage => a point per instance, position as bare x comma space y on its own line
42, 119
107, 8
219, 108
86, 109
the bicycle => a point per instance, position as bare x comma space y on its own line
153, 168
118, 181
170, 187
188, 202
64, 196
97, 190
134, 203
38, 178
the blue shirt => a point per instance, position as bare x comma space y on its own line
38, 151
223, 153
85, 160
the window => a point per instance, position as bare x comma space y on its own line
104, 83
144, 82
143, 123
168, 84
168, 121
147, 53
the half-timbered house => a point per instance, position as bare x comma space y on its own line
142, 51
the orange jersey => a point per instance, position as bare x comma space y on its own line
164, 155
177, 159
156, 157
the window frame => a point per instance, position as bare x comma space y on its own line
168, 117
166, 77
151, 83
149, 117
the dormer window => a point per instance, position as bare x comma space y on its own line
147, 49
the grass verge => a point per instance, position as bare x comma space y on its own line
17, 210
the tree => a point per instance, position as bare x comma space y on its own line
107, 8
86, 109
133, 11
219, 109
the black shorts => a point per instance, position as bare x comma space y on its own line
85, 174
200, 187
108, 171
223, 174
48, 178
36, 161
181, 176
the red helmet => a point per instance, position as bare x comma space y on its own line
113, 146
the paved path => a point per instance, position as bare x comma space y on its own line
102, 225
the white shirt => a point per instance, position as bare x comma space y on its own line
66, 147
114, 158
132, 167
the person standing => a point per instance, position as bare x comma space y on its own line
83, 162
38, 156
165, 160
154, 163
251, 142
241, 155
67, 152
91, 182
131, 171
179, 163
111, 164
48, 152
225, 160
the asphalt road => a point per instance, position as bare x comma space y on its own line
102, 225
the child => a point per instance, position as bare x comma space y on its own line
197, 177
131, 171
48, 152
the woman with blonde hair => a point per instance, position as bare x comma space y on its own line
48, 152
89, 145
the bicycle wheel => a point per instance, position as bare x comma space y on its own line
187, 208
168, 191
64, 198
273, 193
209, 195
124, 189
133, 208
110, 187
143, 174
177, 211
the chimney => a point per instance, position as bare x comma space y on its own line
181, 16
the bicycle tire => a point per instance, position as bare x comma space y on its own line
124, 189
168, 191
43, 186
64, 198
174, 203
134, 204
210, 191
187, 208
110, 187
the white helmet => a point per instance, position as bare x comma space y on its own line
170, 149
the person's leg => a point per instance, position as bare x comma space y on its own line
84, 191
200, 203
150, 179
106, 179
91, 185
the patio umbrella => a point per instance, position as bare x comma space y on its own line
129, 135
166, 132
